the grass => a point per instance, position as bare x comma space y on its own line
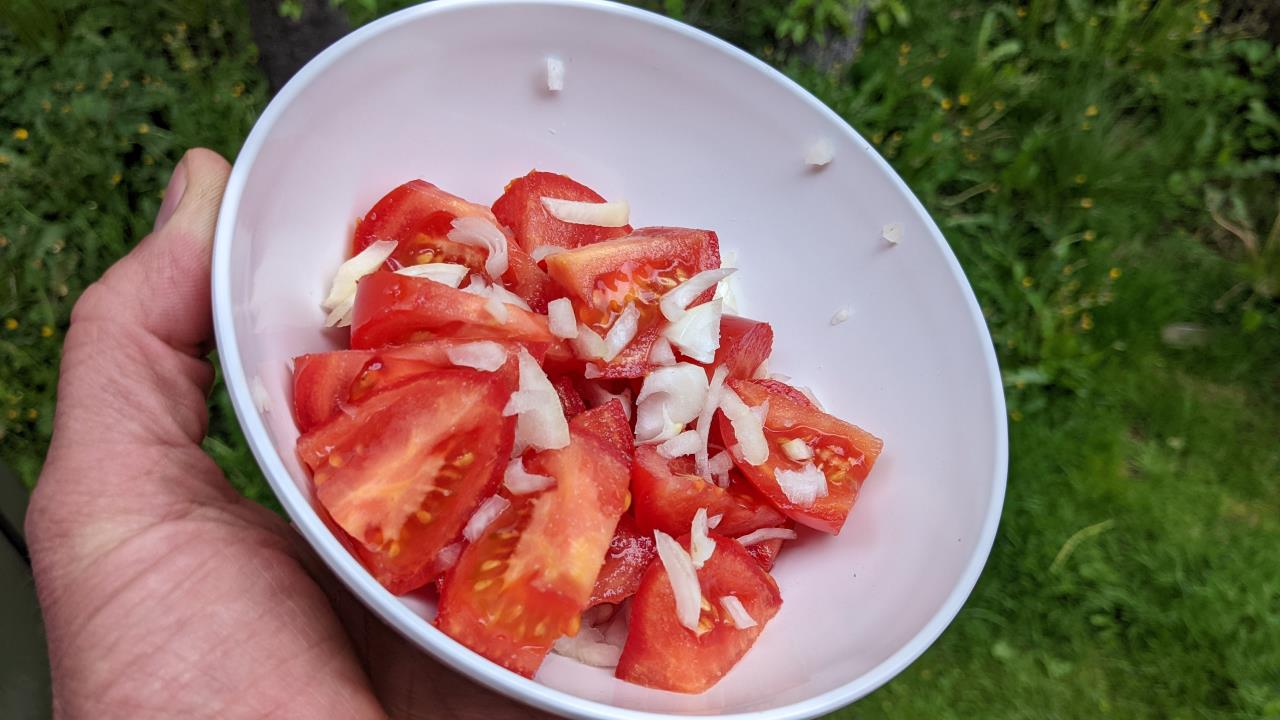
1103, 171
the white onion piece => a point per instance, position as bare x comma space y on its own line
596, 395
555, 74
508, 297
686, 443
542, 252
720, 463
654, 423
522, 482
661, 353
762, 370
761, 411
444, 273
713, 522
616, 633
764, 534
715, 392
540, 419
447, 557
560, 319
588, 344
892, 233
484, 516
697, 332
603, 214
622, 332
598, 615
840, 316
350, 272
482, 233
780, 377
700, 545
342, 314
588, 647
683, 578
676, 299
258, 391
804, 486
497, 309
797, 450
746, 427
820, 153
737, 612
683, 384
483, 355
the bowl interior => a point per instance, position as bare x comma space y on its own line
691, 132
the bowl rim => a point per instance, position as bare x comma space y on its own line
385, 605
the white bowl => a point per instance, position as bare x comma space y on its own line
692, 132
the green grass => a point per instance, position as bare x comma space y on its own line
1071, 151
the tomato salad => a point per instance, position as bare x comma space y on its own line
548, 416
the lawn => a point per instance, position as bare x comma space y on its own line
1107, 173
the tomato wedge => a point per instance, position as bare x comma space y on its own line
570, 398
603, 278
609, 423
765, 553
629, 554
744, 345
419, 216
520, 209
394, 309
660, 653
778, 387
843, 452
527, 579
667, 494
402, 473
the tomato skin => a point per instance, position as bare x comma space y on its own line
403, 472
765, 552
520, 209
630, 552
744, 345
777, 387
666, 495
393, 309
660, 653
844, 452
570, 398
526, 580
609, 423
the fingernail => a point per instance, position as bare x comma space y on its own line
172, 194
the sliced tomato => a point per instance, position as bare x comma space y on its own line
525, 581
602, 279
777, 387
629, 554
843, 452
744, 345
419, 216
570, 398
323, 383
765, 553
394, 309
403, 472
667, 494
609, 423
520, 209
661, 653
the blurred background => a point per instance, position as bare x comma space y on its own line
1107, 172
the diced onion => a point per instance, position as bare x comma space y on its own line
483, 355
522, 482
715, 393
561, 320
676, 299
258, 391
616, 633
350, 272
540, 419
447, 558
588, 344
603, 214
713, 522
661, 354
762, 370
588, 647
496, 298
596, 395
497, 309
700, 545
622, 333
484, 516
746, 427
719, 463
840, 316
341, 315
892, 233
683, 578
482, 233
555, 74
686, 443
542, 252
685, 386
445, 273
697, 332
765, 534
804, 486
654, 423
797, 450
820, 153
780, 377
741, 618
761, 411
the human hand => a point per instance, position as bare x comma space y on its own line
165, 593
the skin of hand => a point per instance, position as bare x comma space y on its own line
164, 592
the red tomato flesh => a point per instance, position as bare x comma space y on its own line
520, 208
570, 398
744, 345
660, 653
609, 423
629, 554
667, 494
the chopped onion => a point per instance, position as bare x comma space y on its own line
686, 443
780, 377
350, 272
676, 299
540, 419
542, 252
341, 316
713, 522
482, 233
591, 371
561, 320
683, 578
496, 298
258, 391
598, 615
841, 315
602, 214
588, 344
820, 153
522, 482
892, 233
484, 516
741, 618
764, 534
700, 545
616, 633
555, 74
761, 411
588, 647
697, 332
715, 393
661, 354
447, 558
497, 309
720, 463
622, 333
445, 273
746, 426
485, 355
797, 450
654, 423
596, 395
762, 370
804, 486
